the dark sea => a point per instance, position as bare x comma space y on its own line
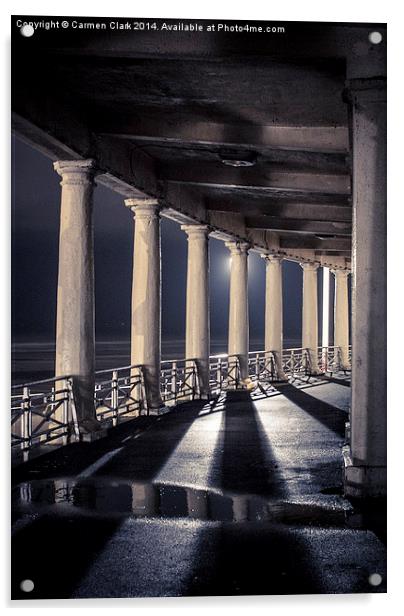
35, 360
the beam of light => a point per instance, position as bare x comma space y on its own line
326, 305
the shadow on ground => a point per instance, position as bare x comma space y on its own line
330, 416
83, 555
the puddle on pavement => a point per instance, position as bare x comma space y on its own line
98, 496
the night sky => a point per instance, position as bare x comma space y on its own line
36, 205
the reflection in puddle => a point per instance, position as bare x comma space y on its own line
172, 501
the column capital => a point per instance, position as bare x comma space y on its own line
143, 208
342, 273
196, 231
272, 258
309, 266
75, 171
237, 247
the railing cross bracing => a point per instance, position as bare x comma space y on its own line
44, 412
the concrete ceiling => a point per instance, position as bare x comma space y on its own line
160, 119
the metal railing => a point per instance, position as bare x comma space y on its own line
296, 362
179, 380
42, 412
224, 373
122, 394
329, 358
263, 366
45, 411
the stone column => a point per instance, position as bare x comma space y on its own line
146, 296
197, 316
310, 314
341, 317
365, 471
238, 309
75, 336
273, 310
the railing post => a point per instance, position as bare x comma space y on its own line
219, 373
274, 362
26, 422
114, 398
72, 405
292, 363
53, 401
307, 361
324, 358
194, 381
257, 365
65, 412
174, 380
143, 400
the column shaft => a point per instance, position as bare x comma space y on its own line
75, 295
146, 296
366, 469
341, 317
273, 310
197, 308
310, 314
238, 308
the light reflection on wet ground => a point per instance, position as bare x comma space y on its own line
99, 496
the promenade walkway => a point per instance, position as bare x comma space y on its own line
237, 496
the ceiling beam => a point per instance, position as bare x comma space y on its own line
303, 138
298, 211
251, 177
332, 253
273, 223
314, 243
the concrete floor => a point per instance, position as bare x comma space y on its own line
243, 496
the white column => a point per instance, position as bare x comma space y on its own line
197, 313
75, 354
341, 316
365, 471
325, 338
238, 308
146, 296
273, 310
310, 314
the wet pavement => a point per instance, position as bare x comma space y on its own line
242, 495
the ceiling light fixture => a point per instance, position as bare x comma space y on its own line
238, 159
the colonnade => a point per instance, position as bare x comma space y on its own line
75, 306
365, 456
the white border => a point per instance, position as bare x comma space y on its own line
303, 10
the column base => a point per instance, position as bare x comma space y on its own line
362, 481
158, 410
315, 372
281, 378
91, 430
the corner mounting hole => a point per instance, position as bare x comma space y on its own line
375, 579
27, 586
375, 38
27, 30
